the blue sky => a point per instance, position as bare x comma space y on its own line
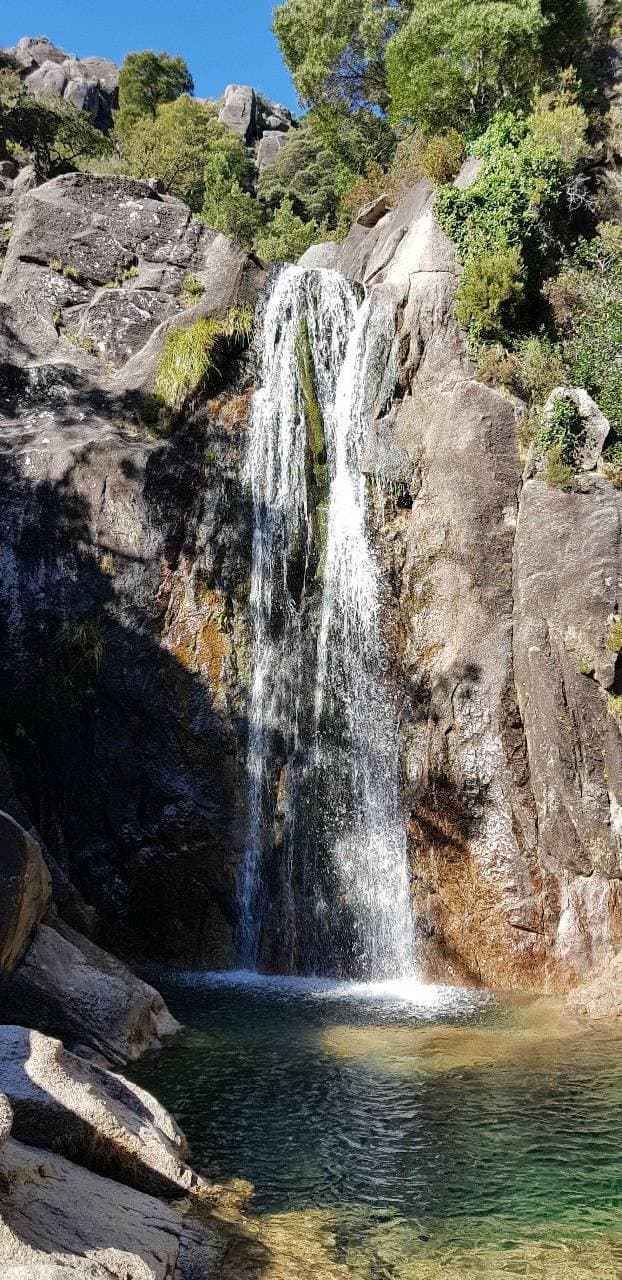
223, 41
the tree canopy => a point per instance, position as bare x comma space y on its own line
306, 173
146, 80
454, 60
335, 49
181, 144
48, 132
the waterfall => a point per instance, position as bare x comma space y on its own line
323, 751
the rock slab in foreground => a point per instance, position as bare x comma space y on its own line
94, 1117
56, 1214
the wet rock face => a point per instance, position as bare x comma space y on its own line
503, 599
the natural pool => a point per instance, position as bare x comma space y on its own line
400, 1132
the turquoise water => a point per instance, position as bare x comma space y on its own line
428, 1127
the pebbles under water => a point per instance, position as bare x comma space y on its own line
397, 1130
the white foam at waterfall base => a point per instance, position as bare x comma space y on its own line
401, 997
351, 343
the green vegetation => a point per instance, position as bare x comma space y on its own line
584, 662
562, 430
614, 706
316, 460
192, 356
490, 284
80, 646
192, 290
146, 81
307, 173
453, 61
613, 639
48, 133
557, 473
286, 235
187, 362
586, 299
233, 211
508, 224
80, 340
182, 143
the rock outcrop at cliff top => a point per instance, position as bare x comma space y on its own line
91, 84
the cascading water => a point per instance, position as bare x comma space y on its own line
323, 757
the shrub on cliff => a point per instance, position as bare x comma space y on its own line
587, 302
490, 285
286, 237
191, 356
518, 204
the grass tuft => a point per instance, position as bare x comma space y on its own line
191, 356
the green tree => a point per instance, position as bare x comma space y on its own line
335, 49
179, 144
50, 133
146, 80
454, 60
286, 236
235, 212
305, 172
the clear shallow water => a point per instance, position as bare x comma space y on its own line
404, 1130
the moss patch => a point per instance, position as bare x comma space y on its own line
318, 480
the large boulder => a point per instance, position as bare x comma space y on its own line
48, 80
239, 110
269, 148
68, 987
76, 1108
57, 1217
594, 429
26, 889
102, 262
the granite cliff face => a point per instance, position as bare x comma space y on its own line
500, 587
125, 564
126, 561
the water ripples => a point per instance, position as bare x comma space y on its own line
422, 1127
